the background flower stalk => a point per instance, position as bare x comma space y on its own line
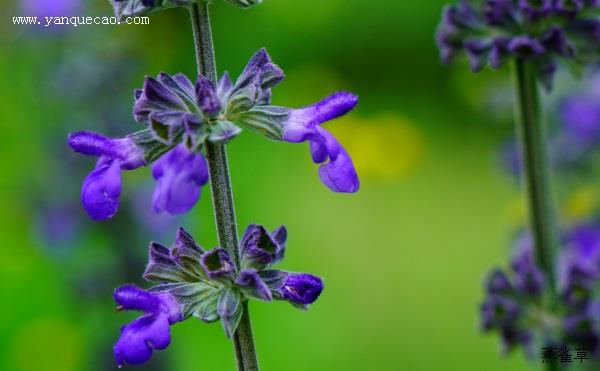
536, 169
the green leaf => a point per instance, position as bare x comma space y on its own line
265, 120
206, 310
223, 131
153, 148
191, 296
229, 308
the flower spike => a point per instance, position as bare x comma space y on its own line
192, 282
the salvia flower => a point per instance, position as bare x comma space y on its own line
544, 31
101, 189
177, 111
514, 302
193, 282
180, 175
260, 248
181, 117
131, 8
151, 331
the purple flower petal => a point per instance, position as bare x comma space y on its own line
301, 123
301, 288
338, 173
94, 144
525, 47
151, 331
102, 189
179, 174
90, 143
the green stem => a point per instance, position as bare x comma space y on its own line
222, 193
532, 135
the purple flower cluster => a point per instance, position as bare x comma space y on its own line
181, 117
514, 299
545, 31
208, 285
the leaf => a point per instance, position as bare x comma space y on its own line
223, 131
229, 308
191, 296
265, 120
153, 148
206, 310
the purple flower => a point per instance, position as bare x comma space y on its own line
528, 277
151, 331
179, 176
540, 31
169, 105
301, 289
525, 47
337, 170
250, 282
498, 311
180, 263
516, 314
579, 327
253, 87
477, 52
217, 264
498, 12
498, 283
260, 249
102, 187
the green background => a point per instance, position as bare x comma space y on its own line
403, 259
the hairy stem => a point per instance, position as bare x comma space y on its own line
222, 193
536, 171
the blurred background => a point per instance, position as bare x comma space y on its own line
403, 260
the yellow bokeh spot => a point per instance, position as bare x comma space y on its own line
517, 212
581, 204
387, 146
47, 344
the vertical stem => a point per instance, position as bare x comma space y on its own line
536, 168
222, 193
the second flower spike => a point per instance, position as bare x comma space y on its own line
192, 282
